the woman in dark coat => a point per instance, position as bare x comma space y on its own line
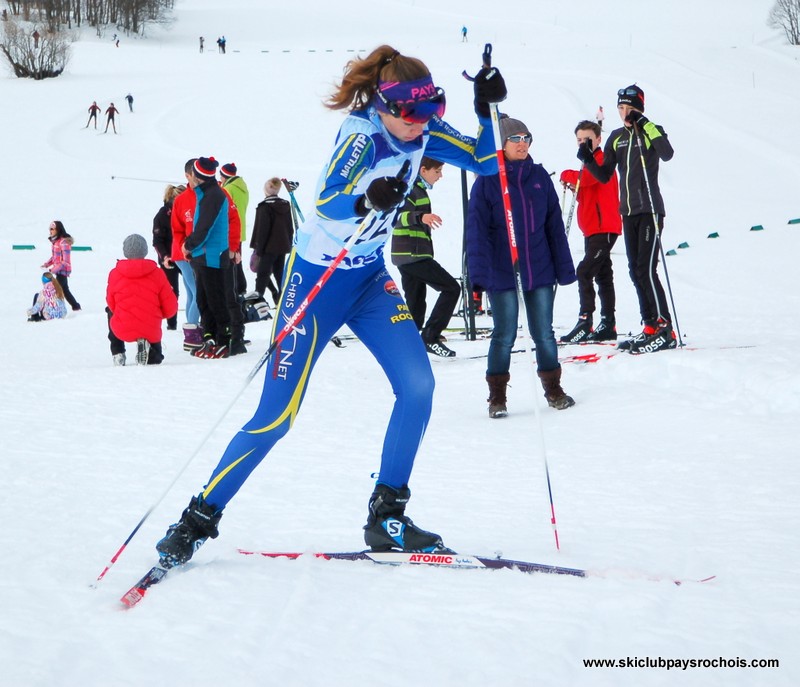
272, 237
544, 261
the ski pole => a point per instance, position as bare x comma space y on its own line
512, 243
291, 186
574, 198
468, 309
658, 241
571, 211
281, 334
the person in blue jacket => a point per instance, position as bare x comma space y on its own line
544, 261
394, 117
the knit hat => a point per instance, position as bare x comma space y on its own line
206, 167
134, 247
631, 95
509, 127
228, 170
272, 187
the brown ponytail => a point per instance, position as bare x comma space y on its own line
361, 77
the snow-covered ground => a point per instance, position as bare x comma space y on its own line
677, 464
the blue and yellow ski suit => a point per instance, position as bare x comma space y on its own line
360, 294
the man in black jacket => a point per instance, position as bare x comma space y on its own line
635, 149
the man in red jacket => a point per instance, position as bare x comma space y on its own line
138, 298
600, 222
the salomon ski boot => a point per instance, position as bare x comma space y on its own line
389, 528
198, 522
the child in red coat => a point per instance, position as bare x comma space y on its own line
138, 297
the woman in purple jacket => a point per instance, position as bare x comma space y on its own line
544, 260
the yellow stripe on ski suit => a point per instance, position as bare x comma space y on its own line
290, 412
293, 406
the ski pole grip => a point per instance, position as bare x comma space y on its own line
487, 55
487, 61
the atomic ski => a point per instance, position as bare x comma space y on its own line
463, 561
441, 560
136, 593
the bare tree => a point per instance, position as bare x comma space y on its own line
28, 61
785, 14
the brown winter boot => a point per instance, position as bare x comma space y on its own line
497, 394
551, 383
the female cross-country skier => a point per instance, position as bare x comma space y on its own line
394, 117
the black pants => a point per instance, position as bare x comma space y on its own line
415, 278
642, 245
63, 280
596, 266
231, 279
156, 355
270, 264
241, 280
212, 302
173, 275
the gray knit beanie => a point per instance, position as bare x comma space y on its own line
134, 247
509, 127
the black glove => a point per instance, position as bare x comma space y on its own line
382, 194
490, 87
637, 118
585, 152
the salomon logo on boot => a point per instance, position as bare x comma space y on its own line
389, 528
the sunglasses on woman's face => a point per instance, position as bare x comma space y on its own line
520, 138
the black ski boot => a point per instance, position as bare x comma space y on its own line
648, 331
661, 340
605, 331
388, 528
198, 522
580, 331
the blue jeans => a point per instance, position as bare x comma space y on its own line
192, 311
505, 313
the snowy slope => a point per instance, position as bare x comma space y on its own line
679, 464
